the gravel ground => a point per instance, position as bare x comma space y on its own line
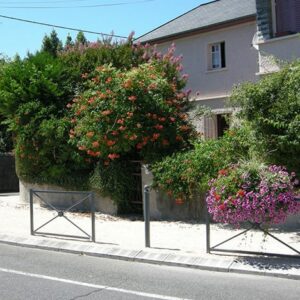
185, 237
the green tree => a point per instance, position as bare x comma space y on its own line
81, 39
35, 91
69, 42
272, 108
51, 44
139, 112
183, 173
6, 144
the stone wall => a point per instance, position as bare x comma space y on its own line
9, 181
61, 201
164, 208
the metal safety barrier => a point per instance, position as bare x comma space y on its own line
146, 209
61, 213
253, 226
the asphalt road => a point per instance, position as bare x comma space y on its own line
38, 274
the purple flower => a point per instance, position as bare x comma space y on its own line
268, 200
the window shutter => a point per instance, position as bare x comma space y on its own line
223, 59
210, 127
209, 58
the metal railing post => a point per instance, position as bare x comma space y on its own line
93, 216
207, 227
31, 211
146, 207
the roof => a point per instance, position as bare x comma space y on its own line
203, 16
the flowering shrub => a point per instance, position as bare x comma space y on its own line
137, 111
272, 108
131, 108
252, 192
183, 173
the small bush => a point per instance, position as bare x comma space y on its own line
272, 108
139, 111
183, 173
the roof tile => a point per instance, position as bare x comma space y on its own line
205, 15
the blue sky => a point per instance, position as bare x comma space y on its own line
140, 16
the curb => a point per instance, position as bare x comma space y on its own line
289, 269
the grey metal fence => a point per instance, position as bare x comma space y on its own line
61, 213
146, 209
252, 226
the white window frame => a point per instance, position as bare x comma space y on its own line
215, 54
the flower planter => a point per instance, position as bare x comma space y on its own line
262, 195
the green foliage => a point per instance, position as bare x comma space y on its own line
83, 59
41, 78
116, 180
34, 93
138, 111
69, 42
42, 147
6, 143
81, 39
51, 44
272, 108
181, 174
33, 97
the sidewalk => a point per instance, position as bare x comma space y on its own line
172, 243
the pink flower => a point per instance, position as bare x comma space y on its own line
133, 137
132, 98
90, 134
106, 112
113, 156
110, 143
155, 136
158, 127
95, 144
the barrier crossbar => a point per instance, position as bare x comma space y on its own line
253, 226
61, 213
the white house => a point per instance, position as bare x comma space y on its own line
226, 42
277, 38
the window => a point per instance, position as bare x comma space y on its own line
222, 125
215, 126
216, 56
287, 14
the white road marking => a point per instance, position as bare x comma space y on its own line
96, 286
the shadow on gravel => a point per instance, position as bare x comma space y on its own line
267, 263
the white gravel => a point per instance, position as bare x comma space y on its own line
186, 237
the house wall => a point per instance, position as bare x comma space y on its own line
241, 60
275, 51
